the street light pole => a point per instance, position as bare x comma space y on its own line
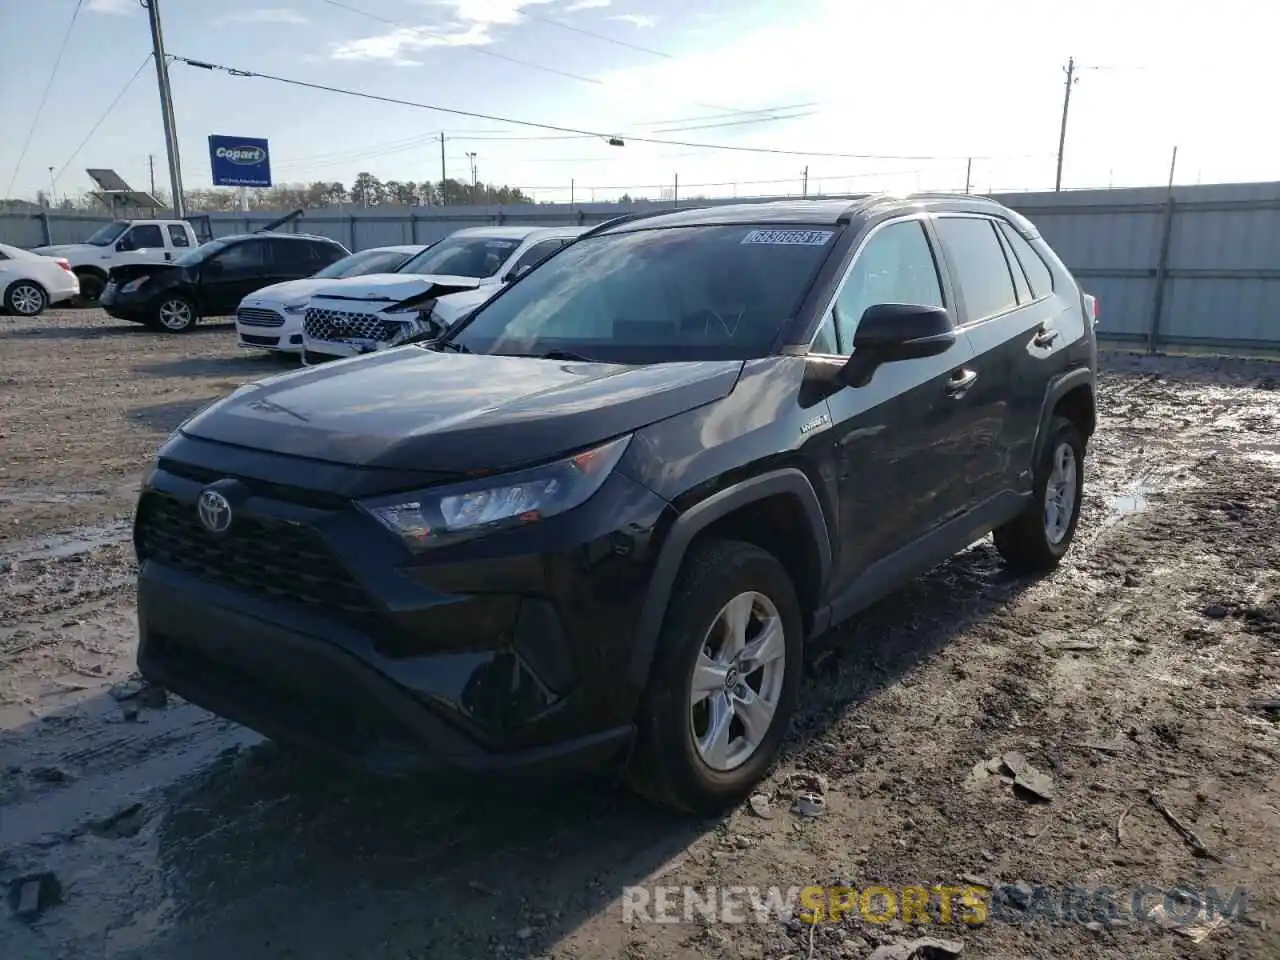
1062, 133
166, 106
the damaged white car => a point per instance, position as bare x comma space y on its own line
425, 295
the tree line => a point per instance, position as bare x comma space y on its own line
365, 191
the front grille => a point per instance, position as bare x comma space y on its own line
321, 324
273, 560
259, 317
259, 341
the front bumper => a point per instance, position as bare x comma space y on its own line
266, 326
127, 306
502, 654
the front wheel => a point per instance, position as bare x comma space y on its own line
1038, 539
26, 298
91, 286
724, 681
176, 315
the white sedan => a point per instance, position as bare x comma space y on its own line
30, 282
271, 318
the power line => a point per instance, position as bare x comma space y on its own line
598, 36
596, 81
57, 62
106, 113
578, 131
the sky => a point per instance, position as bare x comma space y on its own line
865, 95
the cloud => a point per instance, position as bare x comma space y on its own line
491, 12
587, 5
638, 20
392, 46
113, 6
267, 15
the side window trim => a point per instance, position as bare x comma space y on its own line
1016, 270
994, 223
1009, 231
828, 312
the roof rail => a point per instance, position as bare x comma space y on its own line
615, 221
949, 195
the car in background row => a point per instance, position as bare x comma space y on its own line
431, 291
122, 242
271, 318
212, 279
30, 282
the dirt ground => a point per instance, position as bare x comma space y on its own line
1127, 678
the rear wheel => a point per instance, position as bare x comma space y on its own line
91, 285
724, 681
26, 298
1038, 539
176, 315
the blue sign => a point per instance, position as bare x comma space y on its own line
239, 161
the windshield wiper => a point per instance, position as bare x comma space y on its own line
452, 346
565, 355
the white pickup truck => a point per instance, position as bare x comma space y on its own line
121, 242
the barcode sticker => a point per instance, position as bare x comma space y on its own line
802, 238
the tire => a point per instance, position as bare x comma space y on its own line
1038, 539
91, 285
668, 766
175, 315
25, 298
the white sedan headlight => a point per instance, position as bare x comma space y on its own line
298, 306
429, 518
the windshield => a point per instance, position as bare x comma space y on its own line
476, 257
688, 293
360, 264
199, 254
104, 236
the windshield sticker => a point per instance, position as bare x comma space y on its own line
790, 238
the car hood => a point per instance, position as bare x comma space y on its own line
394, 287
288, 292
412, 408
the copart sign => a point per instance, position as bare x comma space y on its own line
239, 161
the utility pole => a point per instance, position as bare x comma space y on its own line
166, 106
675, 196
472, 157
53, 190
1172, 165
151, 165
804, 189
572, 184
1062, 134
443, 197
968, 175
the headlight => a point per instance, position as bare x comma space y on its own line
133, 285
298, 307
430, 518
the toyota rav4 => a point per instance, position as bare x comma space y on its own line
598, 519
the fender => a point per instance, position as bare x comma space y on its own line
1059, 388
697, 518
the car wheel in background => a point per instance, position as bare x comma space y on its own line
724, 680
1038, 539
91, 285
175, 315
26, 298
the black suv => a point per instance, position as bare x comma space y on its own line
212, 279
598, 518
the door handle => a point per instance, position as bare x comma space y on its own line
1045, 336
961, 381
168, 256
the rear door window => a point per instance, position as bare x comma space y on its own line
292, 257
1038, 273
243, 258
178, 237
1020, 284
978, 260
537, 253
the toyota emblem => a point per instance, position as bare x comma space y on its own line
215, 511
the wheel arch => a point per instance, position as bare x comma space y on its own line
758, 510
1070, 395
92, 270
4, 290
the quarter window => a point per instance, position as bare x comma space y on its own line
981, 270
1038, 272
1019, 277
895, 266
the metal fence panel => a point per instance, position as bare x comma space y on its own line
1204, 270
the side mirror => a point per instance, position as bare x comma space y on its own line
890, 332
123, 245
517, 272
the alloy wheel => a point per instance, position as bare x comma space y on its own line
176, 315
26, 299
1060, 494
737, 681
